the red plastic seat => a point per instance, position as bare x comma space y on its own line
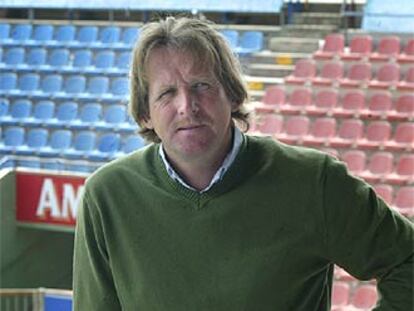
403, 138
365, 297
349, 132
274, 96
270, 124
359, 47
295, 128
379, 105
324, 102
388, 48
298, 100
387, 76
404, 108
333, 45
404, 200
407, 83
329, 74
380, 165
407, 56
377, 134
352, 103
305, 69
358, 75
340, 294
404, 172
355, 161
385, 191
322, 130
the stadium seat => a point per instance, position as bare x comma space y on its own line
322, 130
232, 37
295, 128
36, 57
13, 138
74, 85
380, 165
407, 82
90, 114
65, 34
120, 88
355, 161
21, 32
349, 133
13, 57
104, 59
299, 99
273, 98
107, 146
43, 111
60, 140
324, 102
19, 111
97, 86
365, 297
358, 75
404, 200
43, 34
333, 45
250, 42
8, 82
403, 138
404, 108
84, 142
376, 136
305, 70
65, 113
269, 124
82, 59
360, 48
387, 76
36, 139
130, 35
123, 60
330, 73
388, 48
51, 84
87, 35
109, 35
379, 105
340, 294
132, 143
4, 108
114, 118
4, 31
407, 56
58, 58
385, 191
28, 83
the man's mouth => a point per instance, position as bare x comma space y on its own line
190, 127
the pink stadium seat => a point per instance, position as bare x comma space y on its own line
274, 96
404, 172
352, 103
377, 134
341, 274
407, 83
355, 161
404, 200
299, 99
305, 69
404, 108
387, 76
403, 138
295, 128
380, 165
340, 294
329, 74
365, 297
333, 45
379, 105
358, 75
359, 48
270, 124
350, 131
385, 191
322, 130
388, 48
407, 56
324, 102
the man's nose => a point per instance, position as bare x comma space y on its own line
186, 102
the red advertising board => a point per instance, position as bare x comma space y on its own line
48, 200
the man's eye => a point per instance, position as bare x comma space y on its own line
201, 86
165, 93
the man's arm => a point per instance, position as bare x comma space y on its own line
93, 285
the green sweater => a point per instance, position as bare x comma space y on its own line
265, 237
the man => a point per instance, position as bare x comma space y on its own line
207, 218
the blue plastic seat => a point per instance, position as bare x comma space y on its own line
123, 60
89, 115
65, 113
43, 33
13, 138
83, 144
36, 139
51, 84
4, 108
132, 143
98, 86
36, 57
28, 82
104, 59
130, 35
87, 34
250, 42
8, 82
120, 86
20, 110
21, 32
82, 59
59, 141
58, 57
114, 115
232, 37
4, 31
14, 56
65, 34
107, 146
43, 111
109, 35
75, 84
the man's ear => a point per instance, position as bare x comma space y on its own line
148, 123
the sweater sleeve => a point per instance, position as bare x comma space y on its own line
367, 238
93, 285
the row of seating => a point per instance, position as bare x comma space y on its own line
67, 144
362, 297
65, 60
362, 47
329, 101
360, 74
68, 35
351, 133
67, 114
69, 86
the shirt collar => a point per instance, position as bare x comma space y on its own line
237, 141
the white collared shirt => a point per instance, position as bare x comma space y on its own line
237, 141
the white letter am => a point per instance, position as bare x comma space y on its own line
48, 200
70, 200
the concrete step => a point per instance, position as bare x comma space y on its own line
270, 57
317, 18
293, 45
269, 70
307, 31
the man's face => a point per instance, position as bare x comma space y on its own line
188, 108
